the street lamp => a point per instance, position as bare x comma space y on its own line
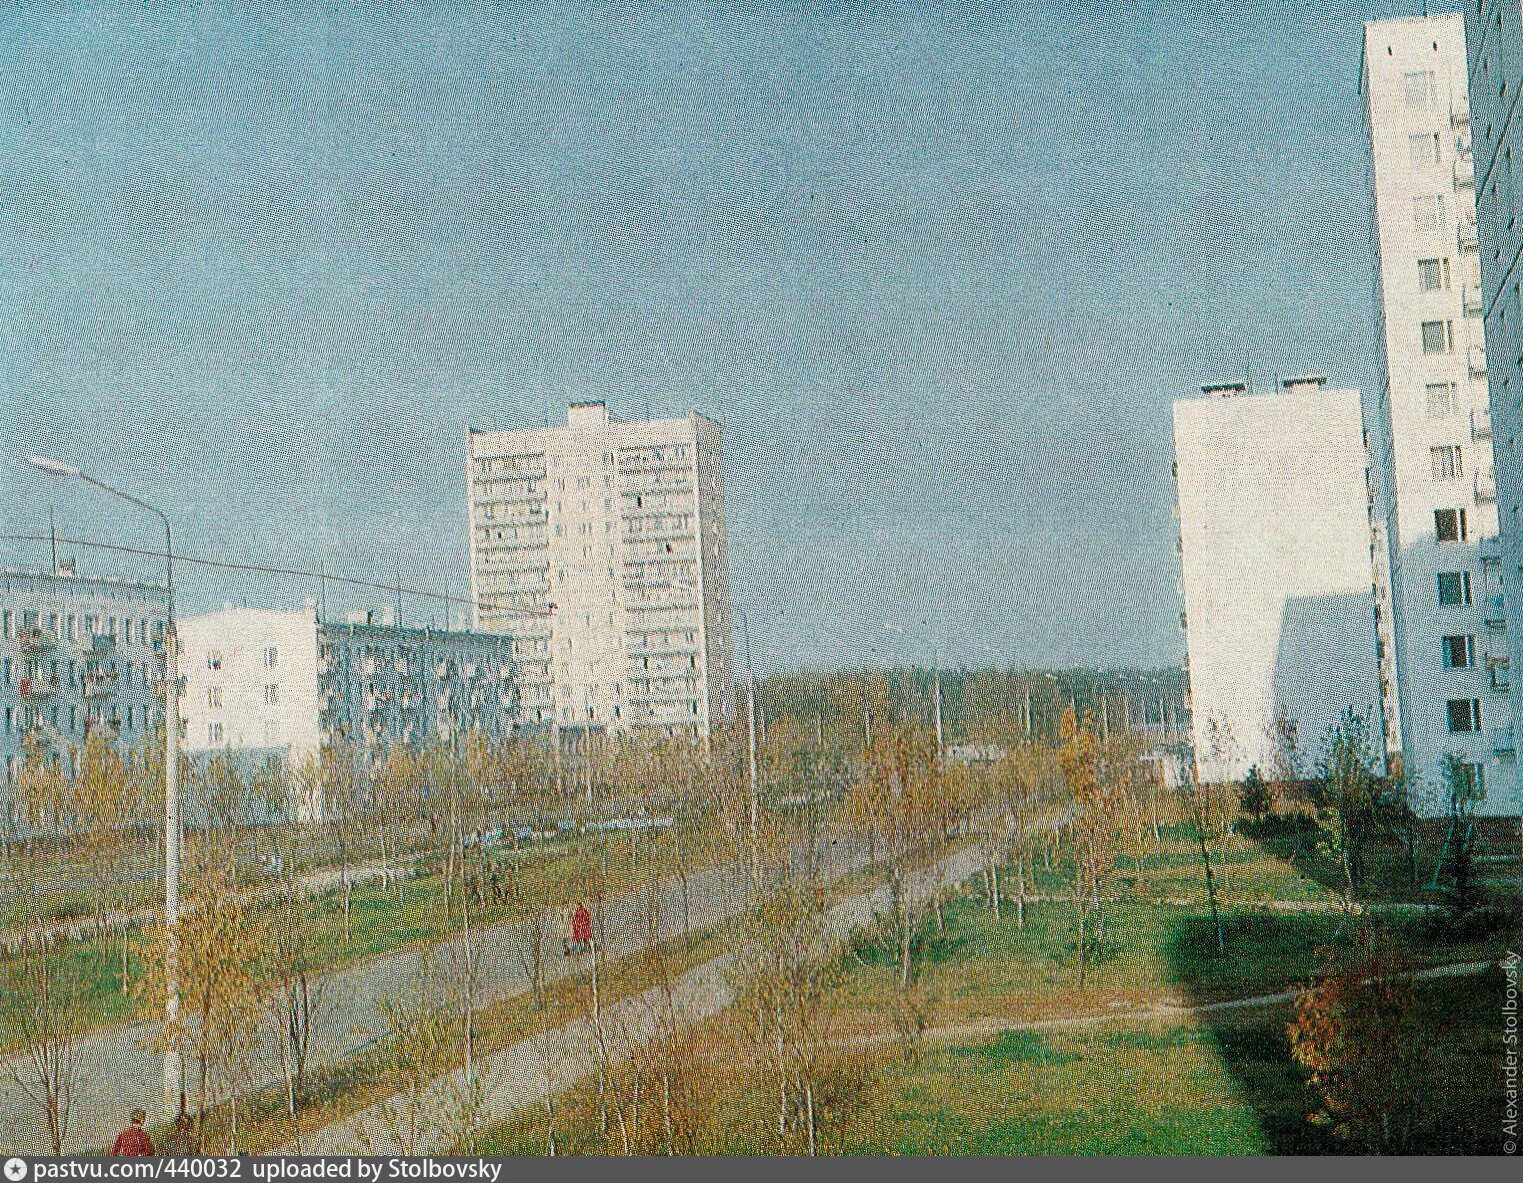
173, 1074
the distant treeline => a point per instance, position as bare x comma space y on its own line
837, 706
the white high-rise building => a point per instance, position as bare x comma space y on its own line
1277, 572
600, 548
1494, 36
1430, 429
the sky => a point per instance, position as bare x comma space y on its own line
940, 269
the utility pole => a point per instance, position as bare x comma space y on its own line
941, 749
174, 1078
755, 802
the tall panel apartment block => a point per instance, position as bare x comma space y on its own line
1430, 424
1494, 39
1277, 572
600, 548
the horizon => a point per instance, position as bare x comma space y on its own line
929, 264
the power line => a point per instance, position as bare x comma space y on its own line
258, 568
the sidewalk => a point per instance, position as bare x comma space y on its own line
122, 1074
519, 1076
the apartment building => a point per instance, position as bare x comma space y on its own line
79, 655
276, 685
600, 549
1429, 421
1494, 41
1277, 572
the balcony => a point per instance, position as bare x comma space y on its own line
99, 644
36, 640
1501, 740
1464, 172
1477, 360
1480, 423
37, 689
1468, 238
99, 685
1474, 305
1459, 113
40, 732
1486, 484
1501, 680
1494, 613
1489, 550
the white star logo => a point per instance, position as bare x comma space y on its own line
15, 1169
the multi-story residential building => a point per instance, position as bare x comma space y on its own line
1276, 571
1429, 420
78, 655
600, 549
279, 685
1494, 40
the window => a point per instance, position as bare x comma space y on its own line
1440, 399
1420, 89
271, 694
214, 733
1423, 148
1438, 336
1428, 213
214, 697
1464, 714
1459, 653
1432, 275
1449, 525
1448, 463
1454, 589
271, 657
214, 660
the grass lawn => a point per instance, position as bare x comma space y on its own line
1219, 1082
382, 919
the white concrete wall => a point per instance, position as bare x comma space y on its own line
234, 695
1276, 570
1404, 427
1494, 46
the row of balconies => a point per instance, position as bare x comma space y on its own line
40, 640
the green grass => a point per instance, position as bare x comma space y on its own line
382, 919
1216, 1082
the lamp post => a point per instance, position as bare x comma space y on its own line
173, 1073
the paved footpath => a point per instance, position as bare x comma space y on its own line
122, 1073
518, 1077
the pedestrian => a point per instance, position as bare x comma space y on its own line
133, 1142
581, 929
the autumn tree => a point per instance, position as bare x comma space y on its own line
1358, 1035
222, 945
1095, 804
44, 1014
1348, 798
785, 972
894, 802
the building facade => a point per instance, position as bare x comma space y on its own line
1430, 426
599, 548
1277, 573
78, 656
1494, 48
279, 685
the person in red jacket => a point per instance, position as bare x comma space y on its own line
134, 1141
581, 931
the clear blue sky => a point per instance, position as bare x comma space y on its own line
940, 273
